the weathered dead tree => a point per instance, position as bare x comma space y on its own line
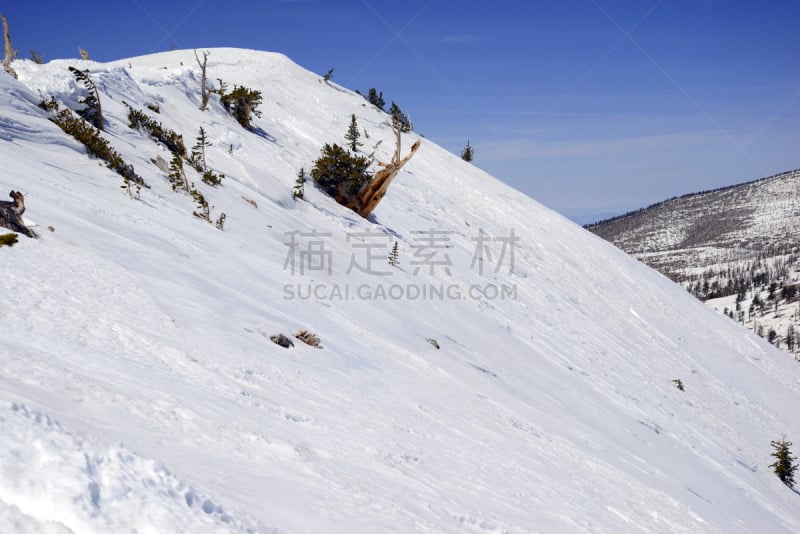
10, 53
373, 191
205, 92
84, 54
11, 215
37, 57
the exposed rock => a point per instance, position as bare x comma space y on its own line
281, 340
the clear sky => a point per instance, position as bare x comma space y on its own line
592, 107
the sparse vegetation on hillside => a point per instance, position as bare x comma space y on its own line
89, 136
172, 140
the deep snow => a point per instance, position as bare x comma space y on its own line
140, 393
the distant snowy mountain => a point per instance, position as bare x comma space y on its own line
735, 248
740, 222
514, 373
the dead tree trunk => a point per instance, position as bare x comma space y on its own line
9, 49
373, 192
205, 92
11, 215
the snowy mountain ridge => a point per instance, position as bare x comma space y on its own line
729, 224
140, 391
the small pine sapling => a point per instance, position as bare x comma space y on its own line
299, 185
468, 153
394, 255
133, 189
198, 156
784, 466
353, 134
177, 176
198, 160
203, 210
220, 224
328, 76
211, 178
223, 88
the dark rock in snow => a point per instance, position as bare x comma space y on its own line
281, 340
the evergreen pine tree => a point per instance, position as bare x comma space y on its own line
92, 112
394, 255
376, 99
339, 173
353, 134
198, 157
203, 210
328, 76
177, 176
399, 118
784, 465
299, 185
468, 153
242, 103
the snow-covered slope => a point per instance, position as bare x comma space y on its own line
139, 390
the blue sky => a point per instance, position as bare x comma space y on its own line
592, 107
